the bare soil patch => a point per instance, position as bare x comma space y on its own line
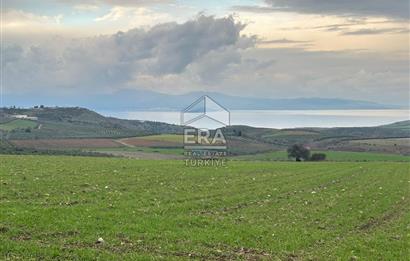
139, 142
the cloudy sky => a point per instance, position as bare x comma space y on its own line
355, 49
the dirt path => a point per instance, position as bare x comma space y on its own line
142, 155
124, 143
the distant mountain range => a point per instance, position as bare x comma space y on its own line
129, 100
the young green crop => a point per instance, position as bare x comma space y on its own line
330, 156
57, 207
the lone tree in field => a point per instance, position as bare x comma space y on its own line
298, 152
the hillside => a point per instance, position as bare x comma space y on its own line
304, 135
403, 125
61, 128
74, 123
344, 139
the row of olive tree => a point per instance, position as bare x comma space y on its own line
302, 153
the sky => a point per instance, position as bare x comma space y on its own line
352, 49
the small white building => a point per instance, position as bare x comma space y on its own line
25, 117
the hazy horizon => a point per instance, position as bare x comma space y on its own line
282, 119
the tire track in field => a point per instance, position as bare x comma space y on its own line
386, 218
256, 186
250, 187
319, 172
286, 195
369, 227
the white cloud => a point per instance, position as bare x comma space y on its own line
203, 54
299, 73
86, 7
126, 2
132, 17
17, 18
114, 14
112, 61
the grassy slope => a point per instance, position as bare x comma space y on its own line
330, 156
332, 139
384, 142
165, 137
83, 123
56, 207
18, 124
404, 125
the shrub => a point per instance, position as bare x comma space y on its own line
318, 157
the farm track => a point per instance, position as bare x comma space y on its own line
143, 155
120, 141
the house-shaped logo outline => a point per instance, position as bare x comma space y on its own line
204, 113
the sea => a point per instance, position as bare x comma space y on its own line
283, 118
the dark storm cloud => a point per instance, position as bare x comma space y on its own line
112, 61
394, 9
368, 31
30, 3
281, 41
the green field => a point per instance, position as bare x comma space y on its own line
341, 156
17, 124
164, 137
330, 156
55, 207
